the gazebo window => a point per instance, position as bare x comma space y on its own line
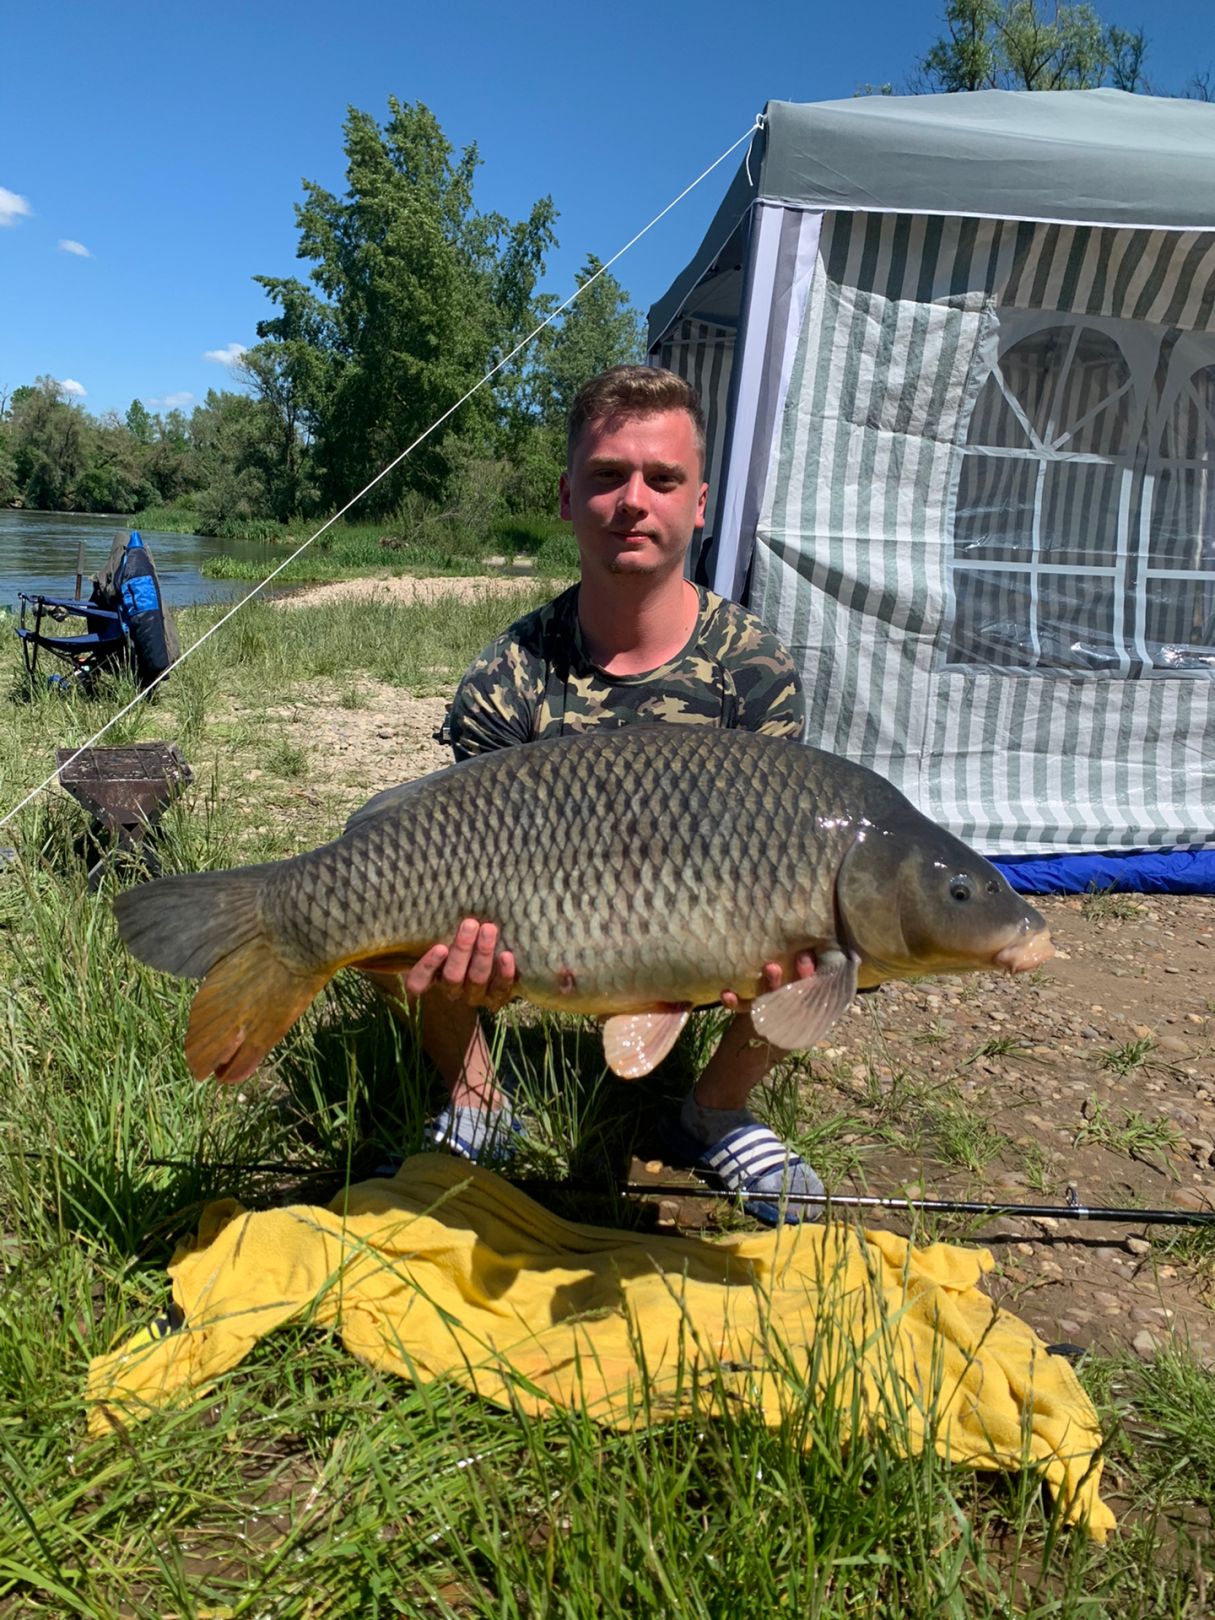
1175, 605
1085, 518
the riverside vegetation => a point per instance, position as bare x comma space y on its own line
305, 1484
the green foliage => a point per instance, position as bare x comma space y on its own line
140, 422
600, 329
415, 295
1026, 45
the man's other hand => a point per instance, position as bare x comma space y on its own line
471, 969
773, 978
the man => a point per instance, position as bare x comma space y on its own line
634, 640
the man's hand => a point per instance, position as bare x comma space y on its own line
471, 969
773, 977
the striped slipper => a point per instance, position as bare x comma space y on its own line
751, 1163
482, 1136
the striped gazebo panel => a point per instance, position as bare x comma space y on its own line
955, 472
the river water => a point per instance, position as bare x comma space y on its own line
38, 556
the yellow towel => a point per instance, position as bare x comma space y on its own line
447, 1271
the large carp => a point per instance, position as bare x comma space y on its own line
634, 873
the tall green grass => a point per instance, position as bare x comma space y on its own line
304, 1484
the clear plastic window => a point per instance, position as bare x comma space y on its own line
1084, 534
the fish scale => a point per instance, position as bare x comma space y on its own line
651, 865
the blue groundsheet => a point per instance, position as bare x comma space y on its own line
1142, 871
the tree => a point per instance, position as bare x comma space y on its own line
1025, 45
600, 329
139, 422
415, 294
232, 439
46, 439
292, 371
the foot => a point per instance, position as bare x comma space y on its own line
487, 1136
729, 1147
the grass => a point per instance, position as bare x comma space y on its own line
1132, 1134
425, 541
1103, 905
1127, 1057
306, 1484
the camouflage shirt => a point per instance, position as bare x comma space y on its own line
536, 681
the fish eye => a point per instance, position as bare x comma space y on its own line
960, 887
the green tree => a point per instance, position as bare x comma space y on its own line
112, 478
47, 440
139, 422
292, 372
599, 329
232, 440
1029, 45
414, 295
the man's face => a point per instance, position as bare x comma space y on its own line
634, 492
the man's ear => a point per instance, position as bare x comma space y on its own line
701, 501
564, 489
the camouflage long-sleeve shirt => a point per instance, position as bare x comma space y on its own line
536, 681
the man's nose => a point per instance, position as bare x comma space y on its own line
632, 493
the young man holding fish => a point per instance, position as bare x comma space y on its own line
635, 906
633, 641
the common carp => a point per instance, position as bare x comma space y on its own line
634, 873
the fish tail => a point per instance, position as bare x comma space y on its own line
209, 926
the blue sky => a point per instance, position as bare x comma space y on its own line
153, 152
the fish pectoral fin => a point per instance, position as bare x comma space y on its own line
635, 1043
799, 1014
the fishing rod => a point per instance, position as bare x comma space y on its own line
1072, 1210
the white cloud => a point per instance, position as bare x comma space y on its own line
227, 356
69, 385
66, 245
12, 207
170, 402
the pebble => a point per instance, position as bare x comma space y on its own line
1138, 1245
1144, 1344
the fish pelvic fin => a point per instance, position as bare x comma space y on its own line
244, 1006
799, 1014
635, 1043
208, 925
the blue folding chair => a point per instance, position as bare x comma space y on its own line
105, 643
126, 624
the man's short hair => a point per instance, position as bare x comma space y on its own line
629, 391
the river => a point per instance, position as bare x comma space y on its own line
38, 555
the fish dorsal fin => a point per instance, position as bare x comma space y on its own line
799, 1014
635, 1043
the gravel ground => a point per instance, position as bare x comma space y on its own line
1097, 1072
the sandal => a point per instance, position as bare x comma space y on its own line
752, 1163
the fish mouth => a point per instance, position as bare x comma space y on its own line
1026, 951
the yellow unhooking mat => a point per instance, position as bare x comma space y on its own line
447, 1271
